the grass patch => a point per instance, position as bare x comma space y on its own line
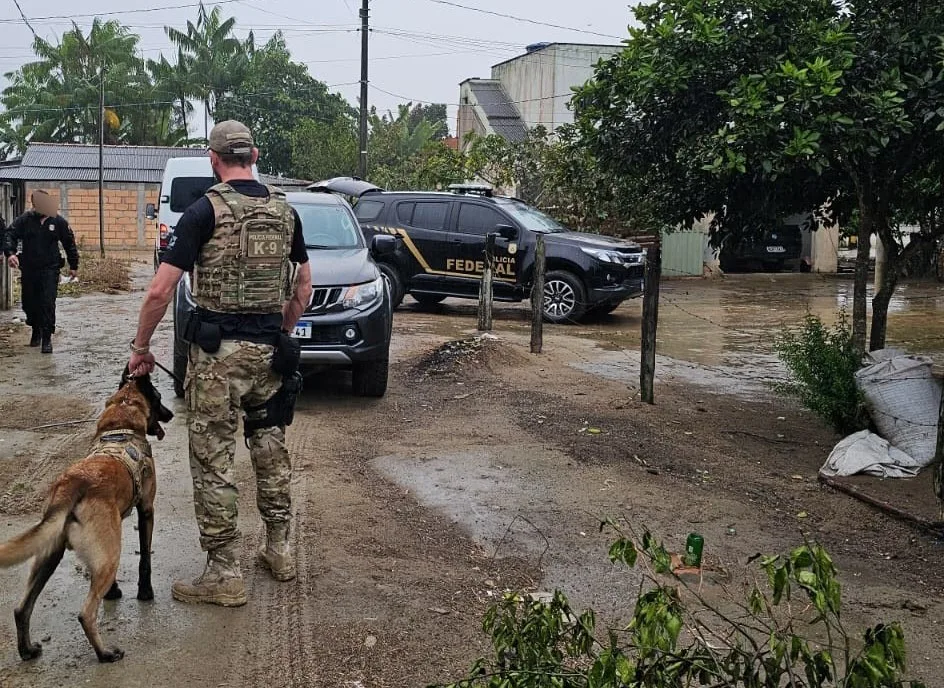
98, 275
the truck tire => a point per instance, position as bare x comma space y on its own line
565, 299
394, 284
369, 378
428, 300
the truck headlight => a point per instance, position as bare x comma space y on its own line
602, 255
362, 296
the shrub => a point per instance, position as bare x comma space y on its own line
822, 365
671, 643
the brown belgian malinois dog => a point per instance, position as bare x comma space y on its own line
86, 506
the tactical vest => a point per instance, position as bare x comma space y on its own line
133, 451
245, 267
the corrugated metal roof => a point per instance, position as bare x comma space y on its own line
503, 116
58, 162
75, 162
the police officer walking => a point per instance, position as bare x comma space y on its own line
41, 231
242, 241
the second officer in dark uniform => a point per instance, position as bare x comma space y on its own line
41, 231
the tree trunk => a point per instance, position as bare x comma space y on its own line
860, 291
882, 298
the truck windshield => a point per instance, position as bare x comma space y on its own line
328, 226
531, 218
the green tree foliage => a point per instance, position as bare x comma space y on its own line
56, 97
677, 638
559, 175
754, 109
324, 149
213, 56
274, 95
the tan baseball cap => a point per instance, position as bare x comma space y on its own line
231, 137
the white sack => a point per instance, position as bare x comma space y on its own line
866, 452
903, 398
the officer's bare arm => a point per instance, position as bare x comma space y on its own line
295, 306
155, 303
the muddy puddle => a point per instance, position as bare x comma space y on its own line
719, 334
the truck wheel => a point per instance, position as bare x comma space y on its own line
369, 378
565, 299
394, 283
428, 300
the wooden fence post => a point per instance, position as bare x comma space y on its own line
650, 321
537, 297
6, 285
938, 476
485, 287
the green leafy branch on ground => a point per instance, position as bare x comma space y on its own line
822, 365
678, 638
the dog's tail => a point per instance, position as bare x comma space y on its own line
46, 536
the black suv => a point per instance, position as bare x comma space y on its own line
440, 249
349, 321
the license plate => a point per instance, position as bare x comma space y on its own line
776, 249
302, 330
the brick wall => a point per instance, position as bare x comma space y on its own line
125, 224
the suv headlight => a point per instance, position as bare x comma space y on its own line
362, 296
605, 256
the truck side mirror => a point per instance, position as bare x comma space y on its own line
507, 232
150, 212
383, 244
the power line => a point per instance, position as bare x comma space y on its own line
524, 19
119, 12
25, 20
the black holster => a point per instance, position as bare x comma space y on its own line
278, 411
207, 336
287, 355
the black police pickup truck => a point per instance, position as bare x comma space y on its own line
440, 249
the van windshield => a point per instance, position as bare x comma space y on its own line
328, 226
184, 191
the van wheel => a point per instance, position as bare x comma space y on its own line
369, 378
565, 299
394, 283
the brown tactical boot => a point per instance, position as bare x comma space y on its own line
221, 582
276, 555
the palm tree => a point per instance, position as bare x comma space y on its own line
173, 83
214, 57
56, 97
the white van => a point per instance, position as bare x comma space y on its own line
185, 180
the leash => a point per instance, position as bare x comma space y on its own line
176, 379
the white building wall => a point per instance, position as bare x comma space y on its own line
539, 83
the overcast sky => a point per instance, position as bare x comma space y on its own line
420, 49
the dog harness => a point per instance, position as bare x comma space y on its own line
133, 451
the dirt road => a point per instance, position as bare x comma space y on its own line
472, 475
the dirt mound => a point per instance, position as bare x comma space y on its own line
483, 353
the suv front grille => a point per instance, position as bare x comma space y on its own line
324, 298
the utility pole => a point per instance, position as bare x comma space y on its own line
362, 164
101, 160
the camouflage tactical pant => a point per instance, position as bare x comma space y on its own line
218, 385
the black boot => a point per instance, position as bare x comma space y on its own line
37, 337
47, 342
